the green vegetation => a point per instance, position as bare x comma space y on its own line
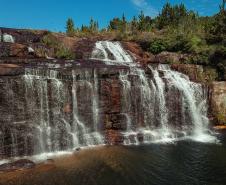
71, 30
175, 29
221, 118
60, 51
70, 27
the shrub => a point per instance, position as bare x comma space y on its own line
193, 44
64, 53
50, 40
157, 46
60, 51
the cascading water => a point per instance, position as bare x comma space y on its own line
196, 101
157, 122
53, 129
111, 53
63, 109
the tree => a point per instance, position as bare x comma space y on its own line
171, 15
218, 29
134, 25
115, 24
123, 26
93, 25
70, 29
144, 22
222, 6
85, 29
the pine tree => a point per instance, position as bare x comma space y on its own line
123, 26
134, 25
141, 23
70, 27
91, 25
144, 23
115, 24
222, 6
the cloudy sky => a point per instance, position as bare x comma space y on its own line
52, 14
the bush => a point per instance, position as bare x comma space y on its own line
60, 51
157, 46
201, 58
50, 40
64, 53
193, 44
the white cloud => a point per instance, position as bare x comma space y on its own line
140, 3
145, 7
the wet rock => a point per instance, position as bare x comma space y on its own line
77, 149
49, 161
140, 137
10, 69
196, 73
13, 50
67, 108
23, 36
137, 52
170, 57
113, 137
218, 101
17, 165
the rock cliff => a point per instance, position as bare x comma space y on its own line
52, 99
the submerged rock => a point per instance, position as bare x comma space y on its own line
77, 149
17, 165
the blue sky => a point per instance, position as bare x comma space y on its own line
52, 14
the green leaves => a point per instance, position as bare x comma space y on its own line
70, 27
157, 46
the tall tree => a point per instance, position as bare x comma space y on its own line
115, 24
123, 24
144, 22
222, 6
70, 27
134, 25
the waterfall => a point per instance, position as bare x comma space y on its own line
195, 99
58, 110
154, 116
111, 53
7, 38
126, 106
51, 129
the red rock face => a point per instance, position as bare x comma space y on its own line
135, 50
13, 50
218, 101
113, 137
48, 99
196, 73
